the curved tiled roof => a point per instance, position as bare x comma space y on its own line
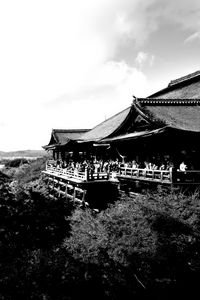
184, 78
107, 128
60, 137
134, 135
177, 106
180, 114
187, 87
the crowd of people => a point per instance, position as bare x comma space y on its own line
94, 165
97, 166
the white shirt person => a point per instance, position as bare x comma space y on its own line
183, 167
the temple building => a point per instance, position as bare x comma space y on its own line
150, 141
166, 123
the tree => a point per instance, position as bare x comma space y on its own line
148, 244
138, 247
32, 225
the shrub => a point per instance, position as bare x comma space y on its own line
30, 173
137, 248
150, 243
15, 163
31, 225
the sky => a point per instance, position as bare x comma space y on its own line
74, 63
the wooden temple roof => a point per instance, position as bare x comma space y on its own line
108, 127
135, 135
60, 137
176, 107
177, 114
186, 87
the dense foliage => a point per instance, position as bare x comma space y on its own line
14, 163
25, 172
138, 247
31, 223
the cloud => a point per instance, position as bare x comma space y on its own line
136, 20
111, 91
144, 58
60, 59
3, 124
50, 49
113, 83
184, 13
104, 81
192, 38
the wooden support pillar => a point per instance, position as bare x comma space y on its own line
108, 175
86, 174
66, 192
58, 192
54, 154
63, 155
83, 197
57, 154
74, 195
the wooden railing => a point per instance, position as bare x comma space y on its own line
145, 174
87, 175
163, 176
66, 173
189, 176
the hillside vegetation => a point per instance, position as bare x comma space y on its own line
141, 247
138, 248
24, 172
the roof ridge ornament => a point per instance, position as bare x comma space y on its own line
135, 100
184, 78
162, 101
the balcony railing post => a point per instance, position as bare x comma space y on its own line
91, 174
161, 175
86, 174
173, 175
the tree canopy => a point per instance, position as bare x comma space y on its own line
142, 246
